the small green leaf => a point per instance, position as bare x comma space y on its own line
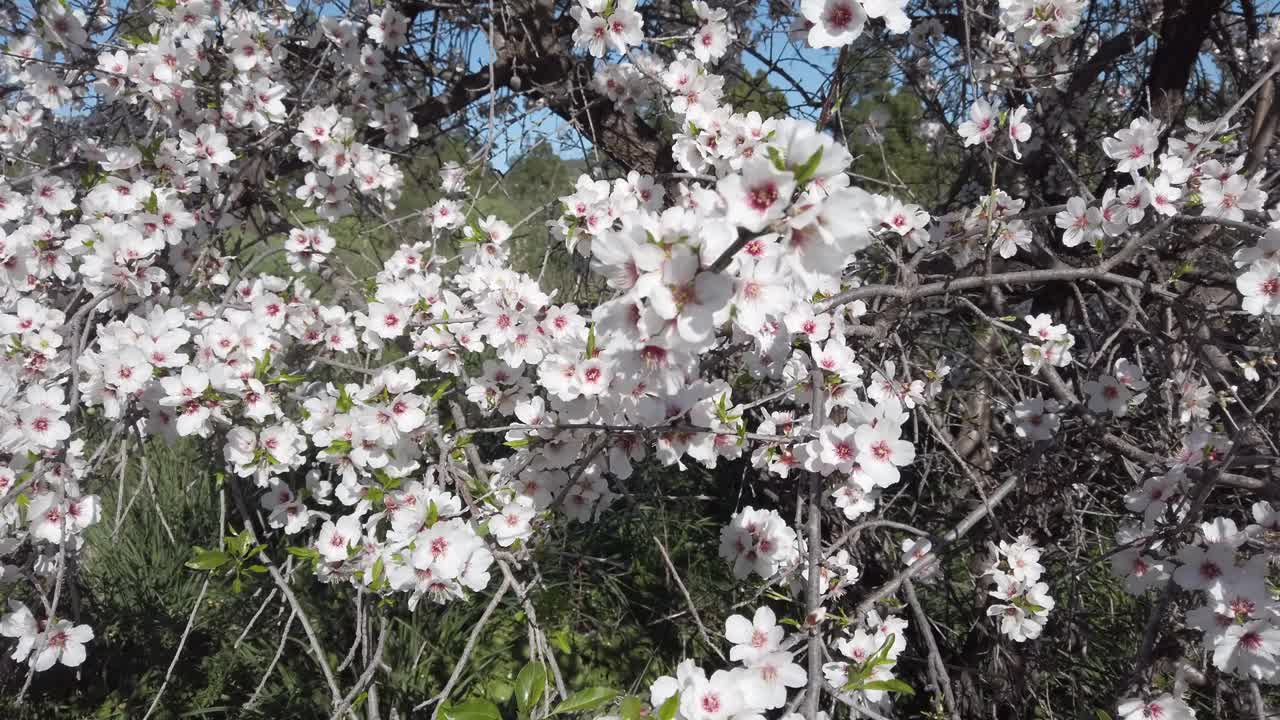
344, 400
775, 156
1101, 714
588, 699
530, 684
498, 690
669, 707
631, 708
805, 172
894, 686
259, 569
304, 553
260, 368
473, 709
441, 390
208, 560
433, 513
591, 342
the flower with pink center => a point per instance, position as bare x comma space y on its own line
757, 196
336, 539
1260, 286
834, 22
755, 638
881, 451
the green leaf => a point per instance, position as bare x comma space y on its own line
669, 707
208, 560
775, 156
344, 400
517, 444
588, 699
441, 390
561, 639
894, 686
530, 684
1028, 606
805, 172
473, 709
240, 543
498, 690
433, 514
631, 708
591, 342
259, 569
1101, 714
260, 368
305, 553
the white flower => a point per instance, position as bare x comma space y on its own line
835, 22
716, 699
881, 451
1164, 707
757, 541
757, 196
1260, 286
336, 539
1035, 418
765, 682
21, 624
1249, 650
753, 639
62, 642
1228, 200
1133, 147
1079, 222
512, 524
1107, 394
982, 124
1019, 131
623, 28
1129, 375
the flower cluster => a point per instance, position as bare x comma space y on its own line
984, 124
1039, 21
760, 683
608, 26
758, 541
1116, 392
1053, 343
41, 643
865, 677
1023, 602
835, 23
342, 408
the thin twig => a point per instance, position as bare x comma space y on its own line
693, 610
